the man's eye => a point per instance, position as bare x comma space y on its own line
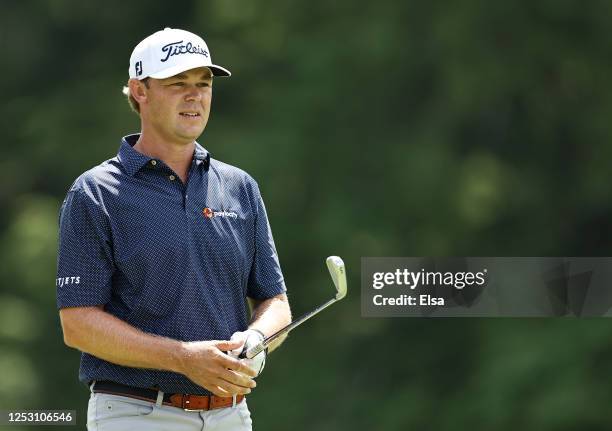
203, 84
178, 84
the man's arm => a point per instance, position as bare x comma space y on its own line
94, 331
270, 315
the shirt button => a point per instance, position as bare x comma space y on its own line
153, 162
172, 177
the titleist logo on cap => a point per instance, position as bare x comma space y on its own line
175, 48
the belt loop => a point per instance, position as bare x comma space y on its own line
93, 382
233, 401
160, 398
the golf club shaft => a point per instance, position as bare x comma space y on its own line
255, 350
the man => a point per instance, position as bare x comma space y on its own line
159, 249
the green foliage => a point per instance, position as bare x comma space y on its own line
374, 129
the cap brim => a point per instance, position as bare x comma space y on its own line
167, 73
219, 71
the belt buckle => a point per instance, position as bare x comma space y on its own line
185, 402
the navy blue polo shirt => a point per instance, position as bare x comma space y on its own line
172, 259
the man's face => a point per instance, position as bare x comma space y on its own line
177, 108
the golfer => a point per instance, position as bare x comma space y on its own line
162, 249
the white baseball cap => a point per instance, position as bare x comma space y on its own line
169, 52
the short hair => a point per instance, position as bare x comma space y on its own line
133, 103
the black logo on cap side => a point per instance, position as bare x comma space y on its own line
138, 67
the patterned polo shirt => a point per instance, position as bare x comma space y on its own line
172, 259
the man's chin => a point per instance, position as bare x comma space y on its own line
189, 135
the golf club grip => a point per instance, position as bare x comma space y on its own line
252, 352
255, 350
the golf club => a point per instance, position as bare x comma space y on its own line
338, 275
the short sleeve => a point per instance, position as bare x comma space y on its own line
266, 279
85, 260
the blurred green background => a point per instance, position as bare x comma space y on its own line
388, 128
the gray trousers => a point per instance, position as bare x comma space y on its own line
117, 413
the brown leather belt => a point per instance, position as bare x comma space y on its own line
182, 401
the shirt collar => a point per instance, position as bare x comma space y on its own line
201, 156
133, 160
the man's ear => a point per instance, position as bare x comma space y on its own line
138, 90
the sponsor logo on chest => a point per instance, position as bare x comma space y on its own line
210, 213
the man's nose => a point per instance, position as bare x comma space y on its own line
194, 93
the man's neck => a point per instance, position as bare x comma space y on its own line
177, 155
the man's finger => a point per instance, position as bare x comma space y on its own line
226, 345
219, 391
245, 369
236, 365
238, 379
232, 389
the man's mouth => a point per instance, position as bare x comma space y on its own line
190, 114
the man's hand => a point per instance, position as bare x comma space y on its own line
206, 364
249, 339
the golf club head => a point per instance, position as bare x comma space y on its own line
338, 275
